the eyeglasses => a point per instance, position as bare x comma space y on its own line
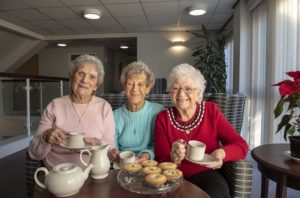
187, 90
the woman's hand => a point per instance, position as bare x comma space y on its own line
142, 156
113, 155
54, 136
92, 141
218, 155
178, 151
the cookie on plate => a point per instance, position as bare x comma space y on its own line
155, 180
151, 170
172, 174
132, 167
167, 165
149, 163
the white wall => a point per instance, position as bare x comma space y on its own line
157, 50
56, 62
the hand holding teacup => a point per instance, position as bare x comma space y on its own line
54, 136
178, 151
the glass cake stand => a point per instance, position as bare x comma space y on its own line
135, 183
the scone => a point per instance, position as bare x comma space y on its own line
149, 163
155, 180
172, 174
132, 167
167, 165
151, 170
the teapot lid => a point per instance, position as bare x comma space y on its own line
65, 168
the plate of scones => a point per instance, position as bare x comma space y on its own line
150, 177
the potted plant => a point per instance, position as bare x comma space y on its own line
289, 107
210, 60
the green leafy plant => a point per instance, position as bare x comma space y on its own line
210, 60
289, 105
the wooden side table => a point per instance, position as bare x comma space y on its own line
274, 165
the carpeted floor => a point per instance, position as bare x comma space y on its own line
12, 178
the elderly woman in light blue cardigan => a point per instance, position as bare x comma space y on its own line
134, 121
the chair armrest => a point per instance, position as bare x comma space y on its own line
239, 177
31, 166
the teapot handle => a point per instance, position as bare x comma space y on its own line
37, 179
81, 158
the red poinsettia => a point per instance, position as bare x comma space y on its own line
290, 94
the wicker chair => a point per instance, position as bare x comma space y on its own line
238, 174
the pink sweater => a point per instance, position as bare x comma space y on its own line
97, 122
213, 128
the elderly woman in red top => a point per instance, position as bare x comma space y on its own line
191, 118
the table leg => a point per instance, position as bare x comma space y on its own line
281, 187
264, 186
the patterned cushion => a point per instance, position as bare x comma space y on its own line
239, 177
31, 166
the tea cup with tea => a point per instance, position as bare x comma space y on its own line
195, 150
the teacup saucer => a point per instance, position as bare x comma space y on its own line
288, 154
63, 144
207, 159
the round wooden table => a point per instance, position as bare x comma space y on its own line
275, 165
109, 188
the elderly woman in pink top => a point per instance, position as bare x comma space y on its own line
79, 112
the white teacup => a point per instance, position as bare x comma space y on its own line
126, 157
76, 140
195, 150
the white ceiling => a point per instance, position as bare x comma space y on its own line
64, 17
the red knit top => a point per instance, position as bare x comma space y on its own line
212, 129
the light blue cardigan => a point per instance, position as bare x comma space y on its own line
135, 130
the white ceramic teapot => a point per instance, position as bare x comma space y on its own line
98, 157
64, 179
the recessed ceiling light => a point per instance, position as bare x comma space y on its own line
124, 47
196, 11
61, 44
92, 14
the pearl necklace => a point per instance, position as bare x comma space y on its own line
80, 116
187, 128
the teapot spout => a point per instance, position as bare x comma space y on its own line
87, 171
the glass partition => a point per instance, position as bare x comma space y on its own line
22, 101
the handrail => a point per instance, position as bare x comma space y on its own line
15, 75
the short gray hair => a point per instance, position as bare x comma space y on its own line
88, 59
187, 71
137, 67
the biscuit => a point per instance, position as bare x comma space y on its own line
151, 170
149, 163
155, 180
172, 174
167, 165
132, 167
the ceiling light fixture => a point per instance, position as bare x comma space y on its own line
92, 14
196, 11
124, 47
61, 44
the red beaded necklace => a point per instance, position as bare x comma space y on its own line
187, 128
